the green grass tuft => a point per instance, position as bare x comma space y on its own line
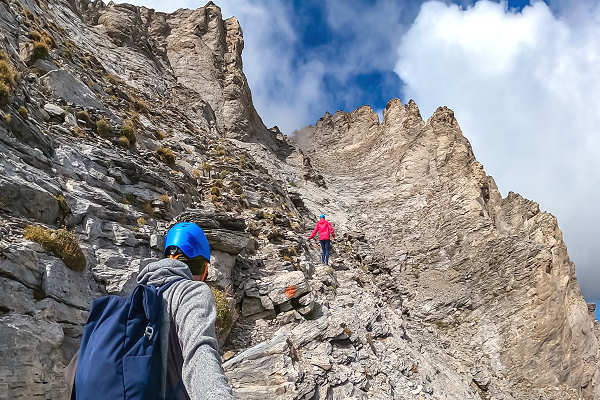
102, 128
40, 50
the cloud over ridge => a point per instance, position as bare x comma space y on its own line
524, 86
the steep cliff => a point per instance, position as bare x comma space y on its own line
119, 120
491, 274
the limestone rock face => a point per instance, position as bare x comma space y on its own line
492, 274
437, 286
194, 49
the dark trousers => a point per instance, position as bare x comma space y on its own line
325, 251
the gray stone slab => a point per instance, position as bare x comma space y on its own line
72, 90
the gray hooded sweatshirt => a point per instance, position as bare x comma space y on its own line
189, 310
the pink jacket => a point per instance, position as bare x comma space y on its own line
325, 229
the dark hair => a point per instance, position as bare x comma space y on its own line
196, 264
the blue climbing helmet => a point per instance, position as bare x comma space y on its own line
190, 239
322, 216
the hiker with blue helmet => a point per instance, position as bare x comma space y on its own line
325, 230
159, 342
191, 359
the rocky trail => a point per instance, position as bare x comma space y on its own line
119, 121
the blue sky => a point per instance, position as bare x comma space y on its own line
522, 78
374, 85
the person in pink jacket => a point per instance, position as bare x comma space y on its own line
325, 229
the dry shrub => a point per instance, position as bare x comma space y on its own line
166, 155
62, 203
124, 142
147, 208
130, 198
23, 112
61, 242
83, 116
128, 130
5, 91
237, 188
28, 16
224, 311
35, 35
140, 105
40, 50
102, 128
78, 131
113, 79
8, 76
206, 167
220, 151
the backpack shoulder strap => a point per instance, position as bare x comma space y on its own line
70, 374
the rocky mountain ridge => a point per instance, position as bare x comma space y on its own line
119, 121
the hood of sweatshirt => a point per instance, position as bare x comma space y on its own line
160, 272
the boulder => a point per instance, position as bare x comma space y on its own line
28, 133
220, 269
16, 297
306, 303
55, 112
251, 306
286, 286
229, 241
21, 263
29, 200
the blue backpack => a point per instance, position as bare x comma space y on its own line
119, 356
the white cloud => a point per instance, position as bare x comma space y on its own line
368, 33
524, 87
287, 78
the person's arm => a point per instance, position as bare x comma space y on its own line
331, 231
314, 232
194, 313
